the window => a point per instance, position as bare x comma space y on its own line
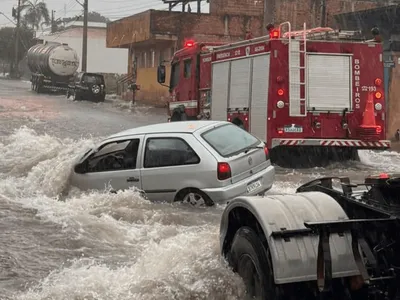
229, 139
175, 73
93, 79
114, 156
187, 68
167, 152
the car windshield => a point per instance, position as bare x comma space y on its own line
229, 139
93, 79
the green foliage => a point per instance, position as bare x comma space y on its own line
7, 43
35, 13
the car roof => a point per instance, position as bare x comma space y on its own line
170, 127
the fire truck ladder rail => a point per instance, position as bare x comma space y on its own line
297, 65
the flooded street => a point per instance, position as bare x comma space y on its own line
57, 242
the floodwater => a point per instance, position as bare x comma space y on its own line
57, 242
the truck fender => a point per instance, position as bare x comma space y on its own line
294, 259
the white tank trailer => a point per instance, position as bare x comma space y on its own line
52, 66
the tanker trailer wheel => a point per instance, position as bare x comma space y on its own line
251, 260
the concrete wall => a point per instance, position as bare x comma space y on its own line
150, 90
132, 29
100, 59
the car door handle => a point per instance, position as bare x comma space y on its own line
132, 179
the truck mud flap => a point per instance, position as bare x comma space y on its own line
324, 230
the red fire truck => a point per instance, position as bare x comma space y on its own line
313, 95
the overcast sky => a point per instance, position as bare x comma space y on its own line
113, 9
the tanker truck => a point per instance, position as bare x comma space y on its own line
52, 65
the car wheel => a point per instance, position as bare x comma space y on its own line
251, 260
195, 198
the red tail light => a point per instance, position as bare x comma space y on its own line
378, 130
378, 95
266, 151
224, 171
281, 92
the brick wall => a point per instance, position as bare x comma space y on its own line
300, 11
233, 7
204, 27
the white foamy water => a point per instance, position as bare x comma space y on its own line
61, 243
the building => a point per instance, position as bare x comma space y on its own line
153, 36
100, 59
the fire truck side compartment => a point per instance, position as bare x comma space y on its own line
239, 84
259, 96
220, 90
239, 90
329, 90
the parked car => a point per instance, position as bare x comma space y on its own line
87, 86
199, 162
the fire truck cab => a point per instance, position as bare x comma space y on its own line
315, 91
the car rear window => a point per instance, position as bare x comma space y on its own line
229, 139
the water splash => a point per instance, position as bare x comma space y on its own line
100, 245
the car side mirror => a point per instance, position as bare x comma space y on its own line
161, 74
81, 168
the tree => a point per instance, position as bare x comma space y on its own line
36, 13
7, 44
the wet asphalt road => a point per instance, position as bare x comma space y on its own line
54, 114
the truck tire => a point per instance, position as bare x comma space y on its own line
177, 116
250, 259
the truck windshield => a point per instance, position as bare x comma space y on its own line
175, 73
229, 140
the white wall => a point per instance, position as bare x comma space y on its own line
99, 58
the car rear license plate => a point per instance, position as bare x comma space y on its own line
252, 186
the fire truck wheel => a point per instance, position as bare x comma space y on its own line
251, 260
178, 116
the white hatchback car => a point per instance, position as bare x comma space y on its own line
200, 162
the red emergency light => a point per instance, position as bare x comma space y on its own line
274, 34
378, 95
378, 82
281, 92
189, 44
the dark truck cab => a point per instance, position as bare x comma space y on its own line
87, 86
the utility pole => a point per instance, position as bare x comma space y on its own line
85, 33
269, 14
16, 49
323, 13
53, 25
